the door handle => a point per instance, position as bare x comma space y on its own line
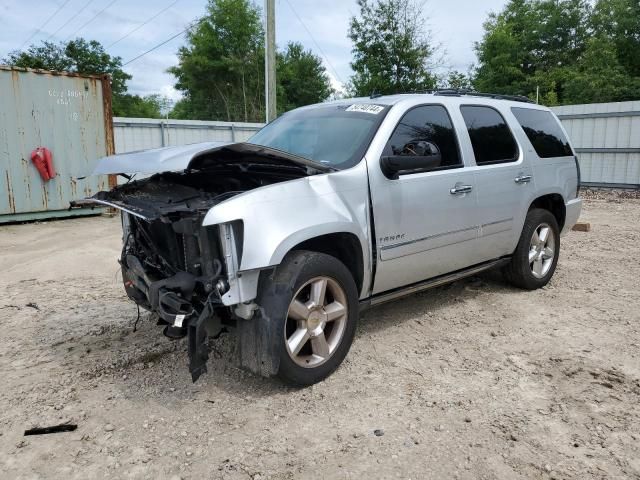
520, 179
459, 189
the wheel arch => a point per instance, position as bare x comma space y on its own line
554, 203
344, 246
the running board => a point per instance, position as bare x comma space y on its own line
431, 283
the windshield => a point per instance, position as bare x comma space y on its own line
334, 135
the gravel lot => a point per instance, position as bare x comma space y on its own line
472, 380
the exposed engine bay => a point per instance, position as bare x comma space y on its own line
171, 264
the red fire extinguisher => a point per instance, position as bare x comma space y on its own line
43, 161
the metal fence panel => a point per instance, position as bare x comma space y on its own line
68, 114
133, 134
606, 137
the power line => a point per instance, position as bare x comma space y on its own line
144, 23
73, 17
39, 29
314, 41
91, 19
193, 24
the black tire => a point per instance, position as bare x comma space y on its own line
519, 271
262, 340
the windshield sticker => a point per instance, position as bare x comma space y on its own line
365, 108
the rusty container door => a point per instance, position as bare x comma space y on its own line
68, 114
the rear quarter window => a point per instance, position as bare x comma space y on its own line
544, 132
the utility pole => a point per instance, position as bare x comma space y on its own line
270, 59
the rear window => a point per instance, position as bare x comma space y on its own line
544, 133
491, 138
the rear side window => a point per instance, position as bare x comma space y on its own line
491, 138
428, 123
543, 132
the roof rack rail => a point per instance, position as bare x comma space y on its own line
458, 92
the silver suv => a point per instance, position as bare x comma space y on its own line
336, 207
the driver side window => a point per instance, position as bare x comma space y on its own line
420, 129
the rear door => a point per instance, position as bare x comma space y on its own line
503, 178
424, 222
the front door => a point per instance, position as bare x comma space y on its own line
424, 222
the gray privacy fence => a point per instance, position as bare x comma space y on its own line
606, 137
133, 134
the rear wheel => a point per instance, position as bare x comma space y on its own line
536, 256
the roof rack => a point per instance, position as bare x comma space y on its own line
458, 92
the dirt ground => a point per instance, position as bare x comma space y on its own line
472, 380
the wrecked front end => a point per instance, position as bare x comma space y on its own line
171, 264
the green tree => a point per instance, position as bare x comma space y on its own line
600, 76
221, 69
149, 106
47, 56
532, 44
89, 58
457, 80
619, 22
391, 49
301, 78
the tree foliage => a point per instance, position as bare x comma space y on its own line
457, 80
391, 49
301, 78
89, 58
567, 50
148, 106
221, 69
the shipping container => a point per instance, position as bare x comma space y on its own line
68, 114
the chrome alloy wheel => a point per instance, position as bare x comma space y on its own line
542, 250
316, 321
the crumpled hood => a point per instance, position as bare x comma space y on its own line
173, 159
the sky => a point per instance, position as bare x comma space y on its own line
320, 25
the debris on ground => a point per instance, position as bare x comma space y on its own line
65, 427
582, 227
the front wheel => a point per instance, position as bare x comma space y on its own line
310, 308
536, 256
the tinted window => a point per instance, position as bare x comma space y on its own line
543, 132
491, 138
430, 123
335, 135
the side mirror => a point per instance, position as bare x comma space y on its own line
429, 158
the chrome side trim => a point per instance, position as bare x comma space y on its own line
497, 222
430, 237
438, 235
431, 283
